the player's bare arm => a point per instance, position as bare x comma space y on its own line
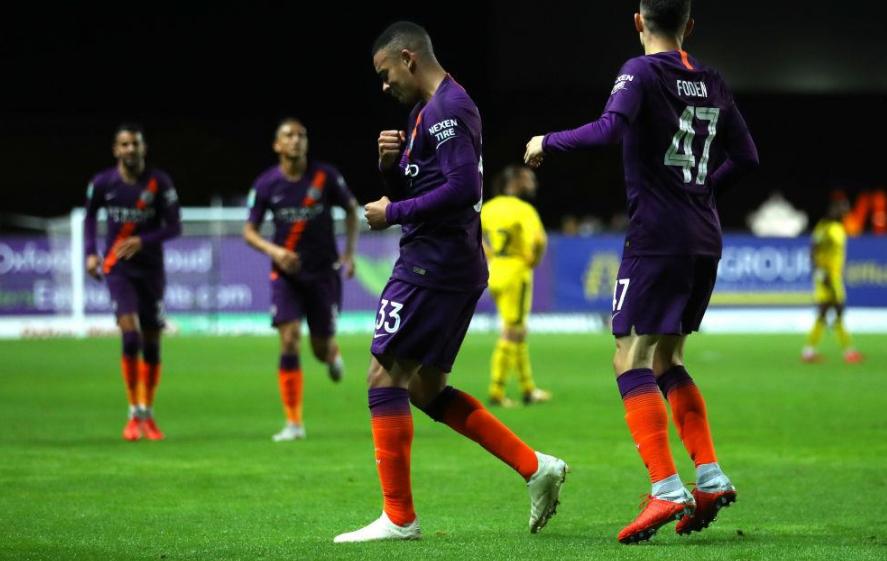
347, 259
287, 260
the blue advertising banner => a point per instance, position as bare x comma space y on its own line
223, 275
752, 272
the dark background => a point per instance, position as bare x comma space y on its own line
210, 81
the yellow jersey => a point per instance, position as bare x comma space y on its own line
513, 232
829, 246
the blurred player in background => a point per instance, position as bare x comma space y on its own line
430, 298
827, 255
305, 262
143, 212
514, 241
682, 138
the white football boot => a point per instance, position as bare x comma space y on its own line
545, 488
382, 529
290, 432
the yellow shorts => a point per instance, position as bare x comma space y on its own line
828, 292
512, 291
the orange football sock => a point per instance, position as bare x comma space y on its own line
688, 412
470, 418
289, 378
392, 424
647, 420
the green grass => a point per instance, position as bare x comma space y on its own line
805, 445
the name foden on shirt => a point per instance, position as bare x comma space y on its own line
692, 89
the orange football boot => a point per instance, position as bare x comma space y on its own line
707, 507
656, 513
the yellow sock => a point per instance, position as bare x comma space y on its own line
816, 333
524, 369
500, 364
841, 333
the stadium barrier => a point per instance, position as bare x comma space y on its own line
216, 284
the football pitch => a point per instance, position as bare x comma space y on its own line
806, 446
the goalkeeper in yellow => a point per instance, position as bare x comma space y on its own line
828, 252
515, 242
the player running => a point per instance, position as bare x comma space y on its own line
514, 241
143, 212
682, 137
827, 256
429, 300
305, 262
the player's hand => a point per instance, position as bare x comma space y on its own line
288, 261
534, 155
390, 146
375, 213
128, 247
93, 266
346, 263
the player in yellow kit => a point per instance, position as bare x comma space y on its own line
515, 241
827, 256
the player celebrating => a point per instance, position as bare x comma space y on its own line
677, 121
305, 262
430, 298
143, 212
827, 257
514, 242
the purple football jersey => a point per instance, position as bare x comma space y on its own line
156, 220
681, 116
682, 137
308, 202
439, 191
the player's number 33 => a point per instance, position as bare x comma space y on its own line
392, 316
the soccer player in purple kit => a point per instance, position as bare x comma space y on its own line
683, 138
305, 262
429, 300
143, 212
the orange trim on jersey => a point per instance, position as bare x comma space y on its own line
415, 131
686, 60
298, 228
129, 228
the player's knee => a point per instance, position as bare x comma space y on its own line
515, 334
289, 340
321, 349
434, 403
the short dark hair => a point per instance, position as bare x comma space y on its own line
129, 126
506, 175
665, 17
287, 120
404, 35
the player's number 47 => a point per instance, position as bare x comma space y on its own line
680, 152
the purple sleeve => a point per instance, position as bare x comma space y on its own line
627, 95
742, 154
458, 160
606, 130
93, 203
257, 201
171, 215
461, 190
339, 193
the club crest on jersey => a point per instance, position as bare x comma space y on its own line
147, 197
314, 193
412, 170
